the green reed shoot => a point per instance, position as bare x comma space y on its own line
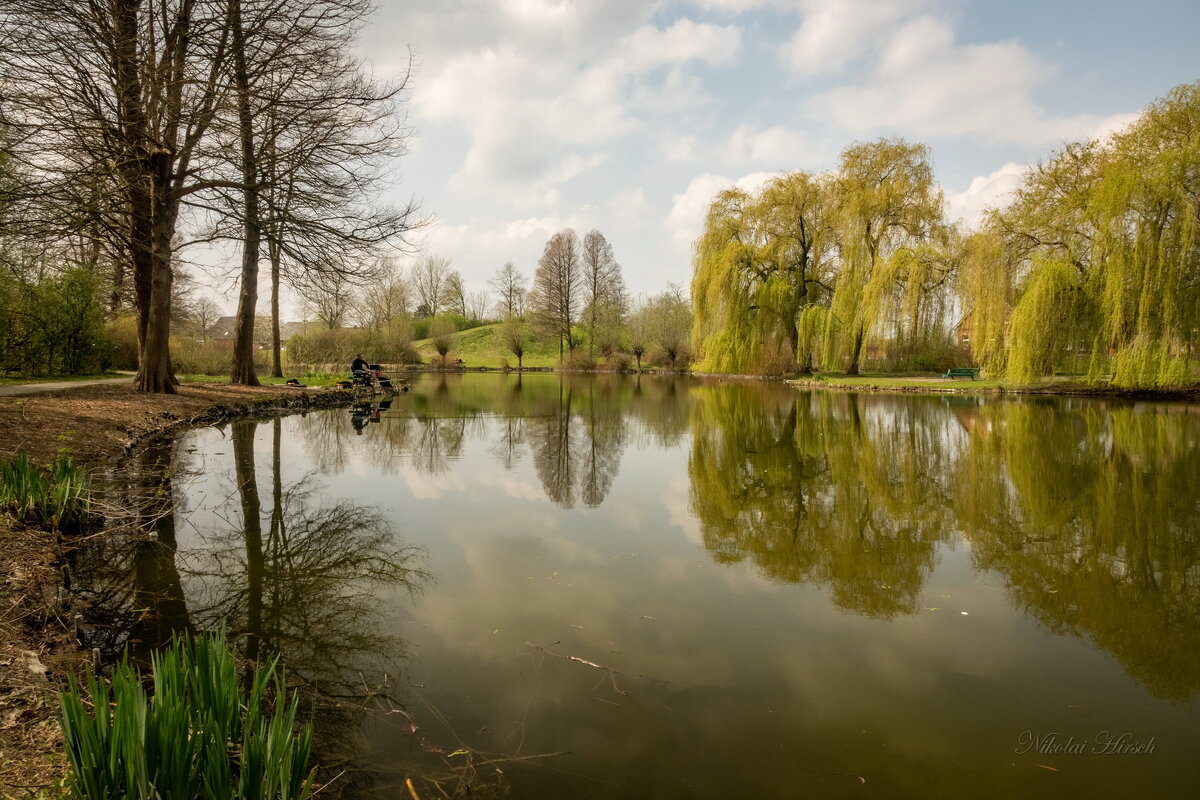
199, 736
54, 497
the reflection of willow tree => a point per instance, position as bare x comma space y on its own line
834, 489
1092, 517
131, 591
304, 584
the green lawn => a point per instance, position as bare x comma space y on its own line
479, 347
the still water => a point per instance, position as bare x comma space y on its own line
564, 586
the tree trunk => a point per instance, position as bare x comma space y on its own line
856, 352
243, 347
276, 345
243, 458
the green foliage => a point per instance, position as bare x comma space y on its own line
51, 320
1123, 214
1048, 322
199, 735
33, 496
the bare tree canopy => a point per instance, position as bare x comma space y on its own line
428, 279
510, 285
131, 121
556, 288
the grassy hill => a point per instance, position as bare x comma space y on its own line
480, 347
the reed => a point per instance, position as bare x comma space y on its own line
200, 735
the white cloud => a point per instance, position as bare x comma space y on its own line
649, 47
985, 191
926, 84
787, 147
836, 32
686, 217
535, 121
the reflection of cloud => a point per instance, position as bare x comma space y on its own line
511, 486
426, 486
679, 513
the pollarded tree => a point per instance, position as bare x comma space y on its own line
668, 319
514, 334
886, 201
556, 288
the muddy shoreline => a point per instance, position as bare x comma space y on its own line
101, 426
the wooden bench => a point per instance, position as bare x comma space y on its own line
962, 372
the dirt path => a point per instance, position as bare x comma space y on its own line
16, 390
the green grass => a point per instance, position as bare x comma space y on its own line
480, 347
200, 734
24, 380
931, 381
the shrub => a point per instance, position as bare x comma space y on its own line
620, 362
579, 359
200, 734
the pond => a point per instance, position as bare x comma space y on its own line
571, 586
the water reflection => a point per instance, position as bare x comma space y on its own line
787, 566
285, 569
1091, 515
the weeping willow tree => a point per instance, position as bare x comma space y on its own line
760, 262
1106, 234
1148, 283
1051, 321
985, 283
888, 208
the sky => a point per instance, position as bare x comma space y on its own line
530, 116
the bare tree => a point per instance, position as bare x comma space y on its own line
428, 278
603, 288
509, 284
555, 297
384, 299
315, 135
477, 305
206, 312
328, 296
114, 99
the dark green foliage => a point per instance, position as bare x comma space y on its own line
198, 735
51, 323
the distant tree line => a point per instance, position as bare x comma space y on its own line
1093, 266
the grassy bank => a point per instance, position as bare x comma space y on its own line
97, 425
481, 347
933, 383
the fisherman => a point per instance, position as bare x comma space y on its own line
359, 368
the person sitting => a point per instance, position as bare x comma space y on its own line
360, 369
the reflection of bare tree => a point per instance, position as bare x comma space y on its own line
129, 588
555, 456
307, 589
